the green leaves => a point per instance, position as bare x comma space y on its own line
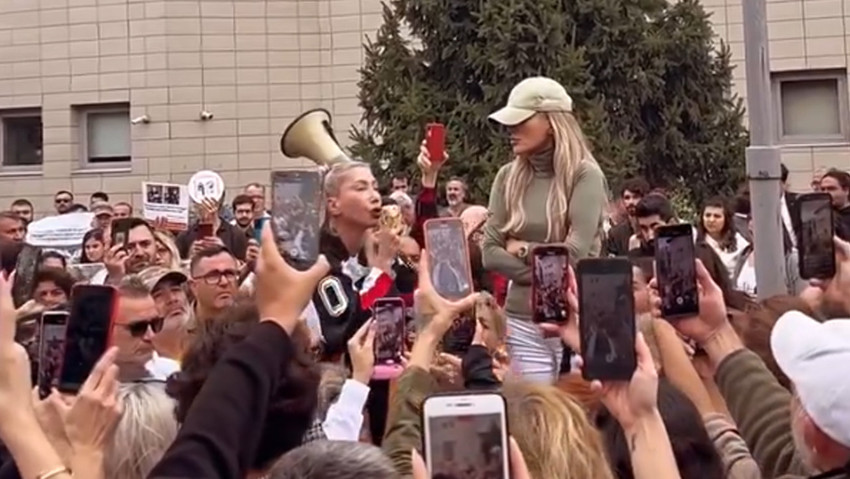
651, 88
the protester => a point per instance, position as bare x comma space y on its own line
12, 227
189, 242
52, 287
213, 279
168, 290
552, 166
717, 229
24, 209
631, 192
93, 247
53, 259
837, 184
122, 209
63, 200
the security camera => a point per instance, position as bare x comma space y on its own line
141, 119
205, 115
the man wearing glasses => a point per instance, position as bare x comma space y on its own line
62, 201
136, 324
214, 281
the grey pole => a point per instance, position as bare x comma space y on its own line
763, 157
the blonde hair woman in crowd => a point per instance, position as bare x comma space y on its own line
552, 192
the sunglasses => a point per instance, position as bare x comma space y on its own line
139, 328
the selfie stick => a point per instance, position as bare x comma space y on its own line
763, 157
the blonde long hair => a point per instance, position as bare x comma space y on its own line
554, 433
571, 148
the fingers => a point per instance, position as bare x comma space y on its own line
465, 304
318, 270
369, 340
425, 271
268, 245
99, 371
644, 355
451, 359
420, 471
360, 335
842, 249
518, 466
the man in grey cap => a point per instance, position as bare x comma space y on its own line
168, 288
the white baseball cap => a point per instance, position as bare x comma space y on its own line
815, 356
530, 96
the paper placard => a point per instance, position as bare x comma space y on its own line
166, 202
85, 272
206, 184
61, 231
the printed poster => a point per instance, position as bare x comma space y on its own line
166, 202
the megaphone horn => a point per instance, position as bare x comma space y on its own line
311, 136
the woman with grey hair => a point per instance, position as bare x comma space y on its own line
146, 429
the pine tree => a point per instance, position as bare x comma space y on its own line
649, 86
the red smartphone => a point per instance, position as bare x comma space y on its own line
88, 334
448, 255
435, 141
549, 283
205, 230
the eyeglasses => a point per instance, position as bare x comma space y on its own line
214, 277
139, 328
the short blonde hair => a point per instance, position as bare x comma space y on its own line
146, 429
554, 433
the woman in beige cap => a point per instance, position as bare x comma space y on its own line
552, 192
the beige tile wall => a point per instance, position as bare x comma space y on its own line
255, 64
804, 34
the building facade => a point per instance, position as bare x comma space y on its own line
99, 95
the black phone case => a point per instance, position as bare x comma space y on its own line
25, 269
818, 272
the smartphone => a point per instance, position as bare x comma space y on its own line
606, 318
88, 334
675, 271
389, 335
25, 268
297, 214
435, 142
466, 433
815, 235
448, 254
549, 283
205, 230
258, 227
121, 230
51, 347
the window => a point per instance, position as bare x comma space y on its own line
21, 139
105, 135
812, 106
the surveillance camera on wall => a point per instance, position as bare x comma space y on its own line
205, 115
141, 119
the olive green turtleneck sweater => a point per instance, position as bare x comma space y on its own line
586, 203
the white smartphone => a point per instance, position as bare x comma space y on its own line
466, 433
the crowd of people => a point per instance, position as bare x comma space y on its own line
228, 362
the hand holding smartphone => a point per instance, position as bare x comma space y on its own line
465, 432
88, 333
815, 233
26, 267
120, 231
676, 274
435, 142
550, 265
606, 319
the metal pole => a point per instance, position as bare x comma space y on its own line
763, 157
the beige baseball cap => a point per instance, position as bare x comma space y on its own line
152, 275
530, 96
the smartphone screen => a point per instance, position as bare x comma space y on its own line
448, 255
297, 214
390, 330
51, 346
435, 142
258, 227
25, 268
676, 274
205, 230
607, 318
88, 334
815, 236
549, 283
466, 435
120, 230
